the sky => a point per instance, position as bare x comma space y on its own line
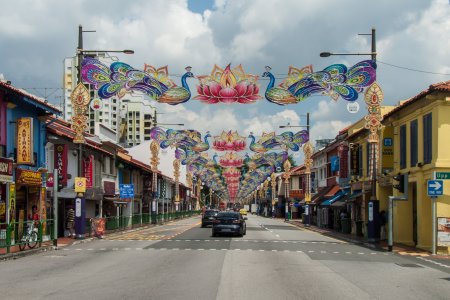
36, 36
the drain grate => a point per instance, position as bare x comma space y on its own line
409, 265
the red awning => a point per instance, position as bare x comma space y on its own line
333, 191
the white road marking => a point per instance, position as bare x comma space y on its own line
274, 250
348, 252
336, 252
261, 250
311, 251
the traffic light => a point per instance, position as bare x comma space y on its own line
401, 183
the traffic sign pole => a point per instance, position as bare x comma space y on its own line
433, 217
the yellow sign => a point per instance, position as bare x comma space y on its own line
80, 185
25, 141
387, 149
307, 198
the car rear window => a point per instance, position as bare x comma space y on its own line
228, 215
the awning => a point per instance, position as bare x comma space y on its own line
339, 203
334, 190
333, 199
355, 195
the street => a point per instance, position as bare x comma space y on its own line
180, 260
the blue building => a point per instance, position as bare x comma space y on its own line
22, 146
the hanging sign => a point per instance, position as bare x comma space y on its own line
24, 139
96, 104
6, 170
88, 171
61, 163
80, 185
353, 107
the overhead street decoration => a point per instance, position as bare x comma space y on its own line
229, 85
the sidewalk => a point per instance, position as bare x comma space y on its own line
382, 245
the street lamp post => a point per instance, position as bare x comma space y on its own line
273, 178
80, 99
307, 150
373, 98
286, 176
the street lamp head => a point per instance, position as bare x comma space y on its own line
128, 51
325, 54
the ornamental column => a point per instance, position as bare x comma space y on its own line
273, 178
176, 174
286, 176
308, 151
154, 161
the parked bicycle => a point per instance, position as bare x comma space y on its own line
30, 238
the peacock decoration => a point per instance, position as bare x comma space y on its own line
120, 78
335, 81
285, 140
185, 139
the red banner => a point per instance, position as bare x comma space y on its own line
88, 171
61, 163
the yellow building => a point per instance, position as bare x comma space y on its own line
420, 128
360, 183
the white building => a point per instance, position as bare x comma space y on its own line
127, 120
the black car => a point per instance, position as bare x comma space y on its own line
229, 222
209, 217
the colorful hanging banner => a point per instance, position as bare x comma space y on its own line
24, 140
60, 153
80, 99
88, 169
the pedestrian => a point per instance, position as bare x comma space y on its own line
71, 222
382, 225
34, 216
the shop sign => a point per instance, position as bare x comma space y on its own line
80, 185
12, 207
25, 141
443, 232
50, 180
61, 163
6, 170
109, 188
28, 177
387, 149
343, 163
88, 165
296, 193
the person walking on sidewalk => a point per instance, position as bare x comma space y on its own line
71, 222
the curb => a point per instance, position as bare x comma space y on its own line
16, 255
342, 238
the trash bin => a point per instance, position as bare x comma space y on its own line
346, 226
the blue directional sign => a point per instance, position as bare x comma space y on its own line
126, 191
435, 188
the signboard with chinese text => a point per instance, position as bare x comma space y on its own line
6, 170
61, 163
24, 140
28, 177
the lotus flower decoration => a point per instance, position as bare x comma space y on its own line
229, 141
231, 172
228, 86
231, 159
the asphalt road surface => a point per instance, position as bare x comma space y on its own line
180, 260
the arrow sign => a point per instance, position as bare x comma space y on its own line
435, 188
436, 185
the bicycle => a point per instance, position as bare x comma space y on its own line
30, 238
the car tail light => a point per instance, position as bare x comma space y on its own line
236, 221
216, 221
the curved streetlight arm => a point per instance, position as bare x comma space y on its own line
327, 54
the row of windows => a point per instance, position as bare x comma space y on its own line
413, 142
